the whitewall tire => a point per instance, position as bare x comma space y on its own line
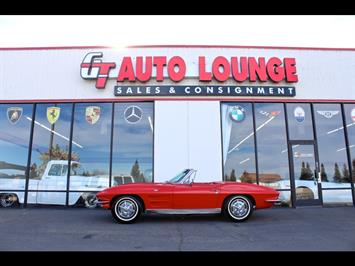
126, 209
238, 208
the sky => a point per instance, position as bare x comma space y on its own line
122, 31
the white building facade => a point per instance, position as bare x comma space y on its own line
74, 120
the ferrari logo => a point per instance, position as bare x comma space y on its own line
92, 114
14, 114
53, 114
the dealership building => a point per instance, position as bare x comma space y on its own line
75, 120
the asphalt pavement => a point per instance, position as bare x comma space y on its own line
80, 229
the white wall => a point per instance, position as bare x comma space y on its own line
170, 139
55, 74
205, 150
187, 135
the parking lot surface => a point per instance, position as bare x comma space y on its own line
79, 229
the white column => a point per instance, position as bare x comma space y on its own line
187, 135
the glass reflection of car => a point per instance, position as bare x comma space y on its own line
308, 190
54, 178
180, 195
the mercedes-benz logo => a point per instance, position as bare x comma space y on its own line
133, 114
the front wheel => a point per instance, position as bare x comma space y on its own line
126, 209
238, 208
90, 201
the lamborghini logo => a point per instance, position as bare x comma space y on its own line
14, 114
53, 114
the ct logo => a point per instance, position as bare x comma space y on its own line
133, 114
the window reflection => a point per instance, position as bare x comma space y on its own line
272, 145
238, 142
331, 144
50, 152
332, 153
299, 119
349, 110
337, 197
15, 126
92, 129
133, 143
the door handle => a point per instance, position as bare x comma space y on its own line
155, 190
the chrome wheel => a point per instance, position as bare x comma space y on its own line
126, 209
238, 208
8, 200
90, 201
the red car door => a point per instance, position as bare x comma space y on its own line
159, 196
195, 196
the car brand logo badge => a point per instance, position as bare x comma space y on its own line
92, 114
269, 114
328, 114
353, 114
14, 114
299, 114
133, 114
53, 114
237, 113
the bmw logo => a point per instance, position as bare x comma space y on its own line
237, 113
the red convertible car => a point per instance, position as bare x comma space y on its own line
181, 195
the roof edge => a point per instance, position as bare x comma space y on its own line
177, 46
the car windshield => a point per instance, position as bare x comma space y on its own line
179, 177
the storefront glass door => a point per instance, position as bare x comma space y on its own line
305, 173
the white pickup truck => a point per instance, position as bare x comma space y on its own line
54, 179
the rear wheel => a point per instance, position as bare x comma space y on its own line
304, 193
126, 209
8, 200
238, 208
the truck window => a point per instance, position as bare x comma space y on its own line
77, 169
127, 179
65, 170
118, 180
56, 170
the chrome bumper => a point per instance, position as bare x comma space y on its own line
104, 202
274, 201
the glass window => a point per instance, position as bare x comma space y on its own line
50, 148
272, 145
117, 180
337, 197
299, 118
128, 179
285, 197
56, 198
133, 142
91, 146
334, 168
15, 127
350, 126
56, 170
238, 142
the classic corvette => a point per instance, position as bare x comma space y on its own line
181, 195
